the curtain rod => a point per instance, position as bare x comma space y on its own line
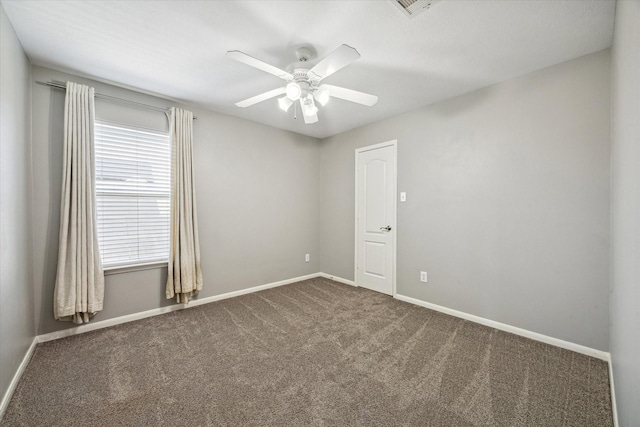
63, 86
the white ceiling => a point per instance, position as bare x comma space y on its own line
177, 48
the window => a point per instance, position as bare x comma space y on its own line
132, 194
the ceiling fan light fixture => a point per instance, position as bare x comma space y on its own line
308, 106
293, 91
322, 96
285, 103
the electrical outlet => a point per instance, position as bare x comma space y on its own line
423, 276
307, 258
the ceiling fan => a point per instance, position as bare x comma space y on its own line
303, 82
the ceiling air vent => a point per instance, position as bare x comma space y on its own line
412, 8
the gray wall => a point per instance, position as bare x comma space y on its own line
17, 320
257, 193
507, 201
625, 211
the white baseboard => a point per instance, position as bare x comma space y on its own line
337, 279
614, 408
214, 298
162, 310
599, 354
16, 378
88, 327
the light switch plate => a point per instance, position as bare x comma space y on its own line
403, 196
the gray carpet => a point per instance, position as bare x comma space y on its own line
313, 353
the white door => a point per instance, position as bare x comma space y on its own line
376, 217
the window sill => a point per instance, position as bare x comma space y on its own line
108, 271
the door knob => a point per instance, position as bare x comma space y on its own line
387, 228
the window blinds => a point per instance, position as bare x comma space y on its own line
132, 194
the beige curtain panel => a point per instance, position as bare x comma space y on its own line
79, 288
184, 272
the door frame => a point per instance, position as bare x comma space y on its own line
393, 143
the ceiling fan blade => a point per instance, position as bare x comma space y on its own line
256, 63
337, 60
310, 119
262, 97
351, 95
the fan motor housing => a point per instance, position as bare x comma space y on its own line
301, 77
